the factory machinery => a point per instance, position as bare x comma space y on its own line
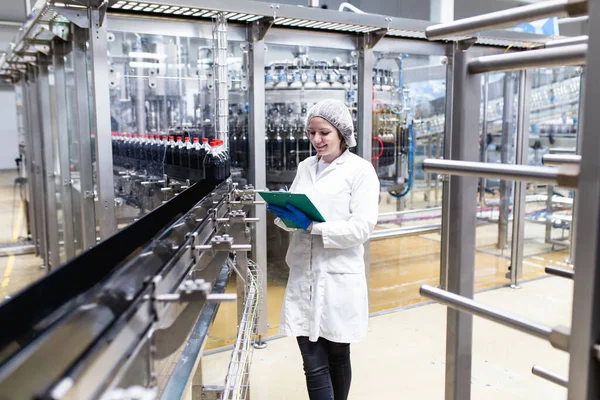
146, 128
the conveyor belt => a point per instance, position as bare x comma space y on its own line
47, 301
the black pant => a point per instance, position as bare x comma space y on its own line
327, 368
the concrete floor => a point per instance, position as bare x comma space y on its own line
403, 356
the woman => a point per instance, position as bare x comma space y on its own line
326, 298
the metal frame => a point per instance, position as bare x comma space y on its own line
49, 174
82, 114
506, 143
38, 163
462, 227
59, 49
584, 382
101, 123
519, 199
29, 165
257, 166
365, 119
445, 225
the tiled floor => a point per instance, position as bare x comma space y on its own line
403, 356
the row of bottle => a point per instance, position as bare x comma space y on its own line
158, 156
285, 150
394, 145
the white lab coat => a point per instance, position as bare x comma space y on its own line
326, 294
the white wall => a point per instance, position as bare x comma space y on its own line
9, 144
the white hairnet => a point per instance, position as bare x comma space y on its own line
337, 114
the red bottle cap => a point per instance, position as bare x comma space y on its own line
187, 139
204, 140
196, 140
179, 138
171, 138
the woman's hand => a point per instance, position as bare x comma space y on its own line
292, 214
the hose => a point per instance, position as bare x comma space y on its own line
380, 148
410, 165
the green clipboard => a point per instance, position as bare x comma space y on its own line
298, 200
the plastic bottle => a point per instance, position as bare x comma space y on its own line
144, 149
195, 154
277, 151
269, 149
242, 150
170, 151
177, 152
211, 163
115, 151
225, 166
290, 152
233, 145
303, 146
129, 156
186, 152
160, 155
137, 150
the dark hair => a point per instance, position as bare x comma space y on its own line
343, 144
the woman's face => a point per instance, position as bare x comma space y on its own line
325, 139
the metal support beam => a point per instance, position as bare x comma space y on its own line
555, 57
257, 151
30, 164
365, 116
101, 122
575, 210
507, 18
584, 382
59, 50
43, 86
86, 175
501, 171
508, 128
365, 98
445, 233
521, 157
462, 228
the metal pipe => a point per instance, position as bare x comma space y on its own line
520, 199
483, 149
563, 150
575, 210
461, 227
554, 57
498, 171
562, 272
549, 211
505, 153
221, 78
549, 376
556, 160
470, 306
583, 39
507, 18
394, 213
404, 232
